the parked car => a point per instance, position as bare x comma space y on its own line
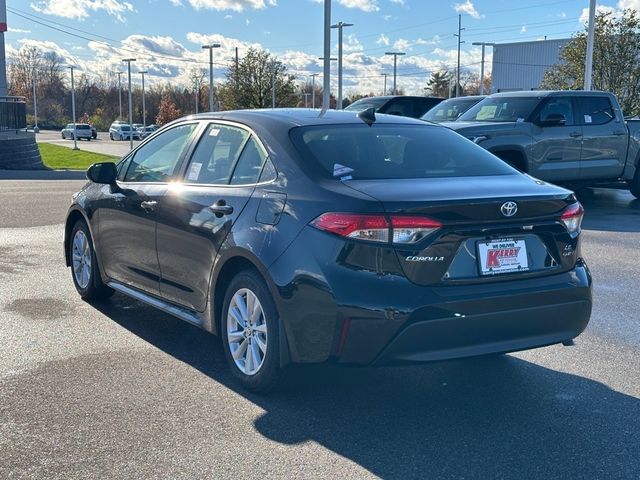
361, 239
81, 130
122, 131
449, 110
94, 132
148, 130
403, 105
572, 137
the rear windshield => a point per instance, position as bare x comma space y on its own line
501, 109
125, 128
449, 110
83, 127
365, 103
360, 152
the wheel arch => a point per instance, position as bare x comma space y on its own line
227, 266
513, 155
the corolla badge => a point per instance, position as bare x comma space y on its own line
509, 209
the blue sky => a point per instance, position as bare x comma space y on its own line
166, 35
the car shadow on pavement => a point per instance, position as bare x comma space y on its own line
497, 417
610, 210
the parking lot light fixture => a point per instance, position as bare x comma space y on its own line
483, 44
119, 95
144, 109
340, 26
129, 60
395, 64
210, 47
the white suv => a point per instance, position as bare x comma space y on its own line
122, 131
82, 130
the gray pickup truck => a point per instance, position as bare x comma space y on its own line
575, 137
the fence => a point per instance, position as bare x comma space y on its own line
13, 113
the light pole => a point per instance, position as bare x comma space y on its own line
313, 89
484, 44
459, 35
36, 129
588, 64
119, 94
144, 108
306, 99
73, 109
326, 85
273, 84
331, 59
210, 48
385, 75
395, 63
340, 26
129, 60
195, 81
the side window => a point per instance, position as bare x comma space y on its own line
216, 154
401, 106
249, 165
555, 108
122, 168
269, 172
157, 160
596, 110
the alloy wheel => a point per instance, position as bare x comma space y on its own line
81, 259
247, 331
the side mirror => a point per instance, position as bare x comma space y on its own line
553, 120
104, 172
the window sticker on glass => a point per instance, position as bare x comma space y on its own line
341, 170
214, 132
194, 171
587, 119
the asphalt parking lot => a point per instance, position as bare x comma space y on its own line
102, 144
119, 390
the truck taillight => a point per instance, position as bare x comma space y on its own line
400, 229
572, 217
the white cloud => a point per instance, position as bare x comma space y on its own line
561, 15
228, 17
398, 2
523, 29
177, 3
235, 5
383, 40
80, 9
467, 7
386, 18
17, 30
584, 17
632, 4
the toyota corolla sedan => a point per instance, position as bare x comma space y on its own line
352, 238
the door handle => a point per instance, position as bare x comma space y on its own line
575, 134
149, 205
221, 208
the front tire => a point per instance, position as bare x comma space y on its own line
250, 332
634, 185
84, 266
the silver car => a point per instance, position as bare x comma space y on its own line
81, 130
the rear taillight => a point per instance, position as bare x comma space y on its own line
572, 217
377, 228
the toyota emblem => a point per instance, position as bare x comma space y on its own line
509, 209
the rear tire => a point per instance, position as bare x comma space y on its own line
111, 136
84, 266
249, 329
634, 185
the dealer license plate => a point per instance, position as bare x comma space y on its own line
505, 255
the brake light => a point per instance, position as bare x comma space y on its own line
377, 228
572, 217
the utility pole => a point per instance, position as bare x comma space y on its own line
144, 108
195, 80
588, 64
119, 95
326, 81
459, 35
3, 61
36, 129
73, 109
306, 99
210, 47
331, 59
313, 89
129, 60
484, 44
385, 75
395, 64
340, 26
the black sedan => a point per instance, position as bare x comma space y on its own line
344, 237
